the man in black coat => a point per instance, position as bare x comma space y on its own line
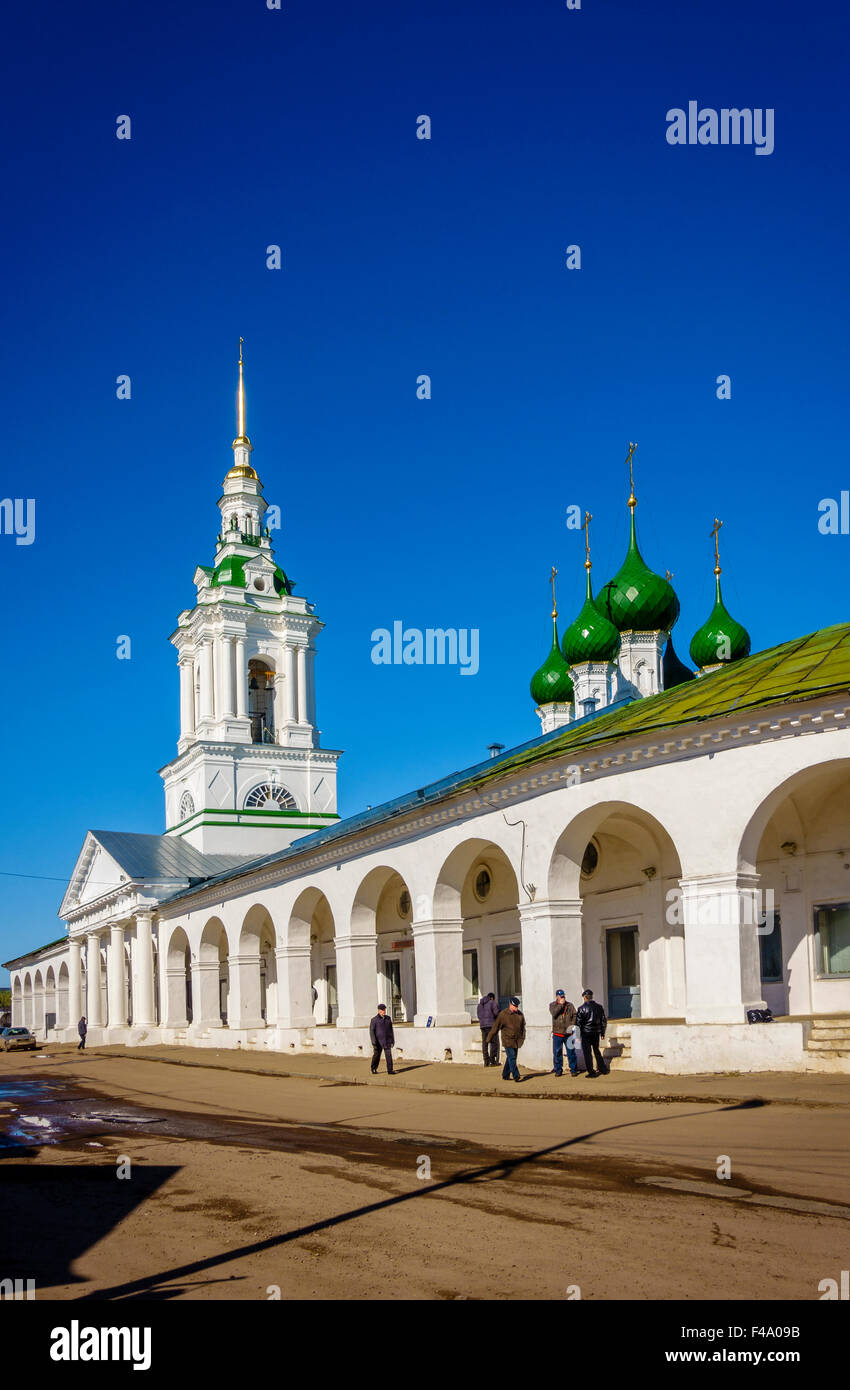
82, 1029
382, 1038
591, 1023
488, 1012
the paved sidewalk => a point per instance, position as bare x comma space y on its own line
458, 1078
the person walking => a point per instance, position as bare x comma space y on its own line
488, 1011
82, 1029
382, 1038
591, 1022
511, 1024
563, 1034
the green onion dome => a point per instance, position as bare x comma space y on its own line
637, 599
721, 639
673, 671
552, 682
591, 637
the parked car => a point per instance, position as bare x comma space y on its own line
13, 1038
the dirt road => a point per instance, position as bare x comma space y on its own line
243, 1183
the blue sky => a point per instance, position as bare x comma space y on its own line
401, 257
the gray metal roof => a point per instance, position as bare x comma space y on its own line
161, 857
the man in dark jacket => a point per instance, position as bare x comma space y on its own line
563, 1034
511, 1024
488, 1012
82, 1029
592, 1023
382, 1038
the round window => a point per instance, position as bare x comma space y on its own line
590, 860
404, 903
260, 584
483, 883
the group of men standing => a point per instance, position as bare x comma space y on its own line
587, 1024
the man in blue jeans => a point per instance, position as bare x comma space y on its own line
511, 1024
563, 1034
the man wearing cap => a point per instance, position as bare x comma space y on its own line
563, 1034
511, 1024
592, 1023
382, 1038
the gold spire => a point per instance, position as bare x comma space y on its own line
243, 469
552, 577
715, 532
240, 402
632, 499
588, 517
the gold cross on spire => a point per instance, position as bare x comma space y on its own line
632, 498
715, 532
552, 577
588, 517
240, 399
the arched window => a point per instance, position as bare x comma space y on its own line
187, 806
269, 797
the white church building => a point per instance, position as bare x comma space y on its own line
677, 840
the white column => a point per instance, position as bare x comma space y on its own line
722, 967
552, 956
311, 685
187, 697
241, 678
143, 1011
302, 685
289, 671
356, 978
207, 702
206, 1011
93, 1002
438, 950
225, 648
244, 1007
116, 989
294, 987
75, 993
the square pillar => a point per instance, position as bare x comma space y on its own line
356, 979
206, 1008
294, 987
244, 1006
722, 968
552, 956
438, 952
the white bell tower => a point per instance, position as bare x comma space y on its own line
249, 776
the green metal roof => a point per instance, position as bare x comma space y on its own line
803, 669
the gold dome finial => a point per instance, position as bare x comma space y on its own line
552, 578
715, 532
632, 499
588, 517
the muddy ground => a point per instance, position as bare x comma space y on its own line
241, 1184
